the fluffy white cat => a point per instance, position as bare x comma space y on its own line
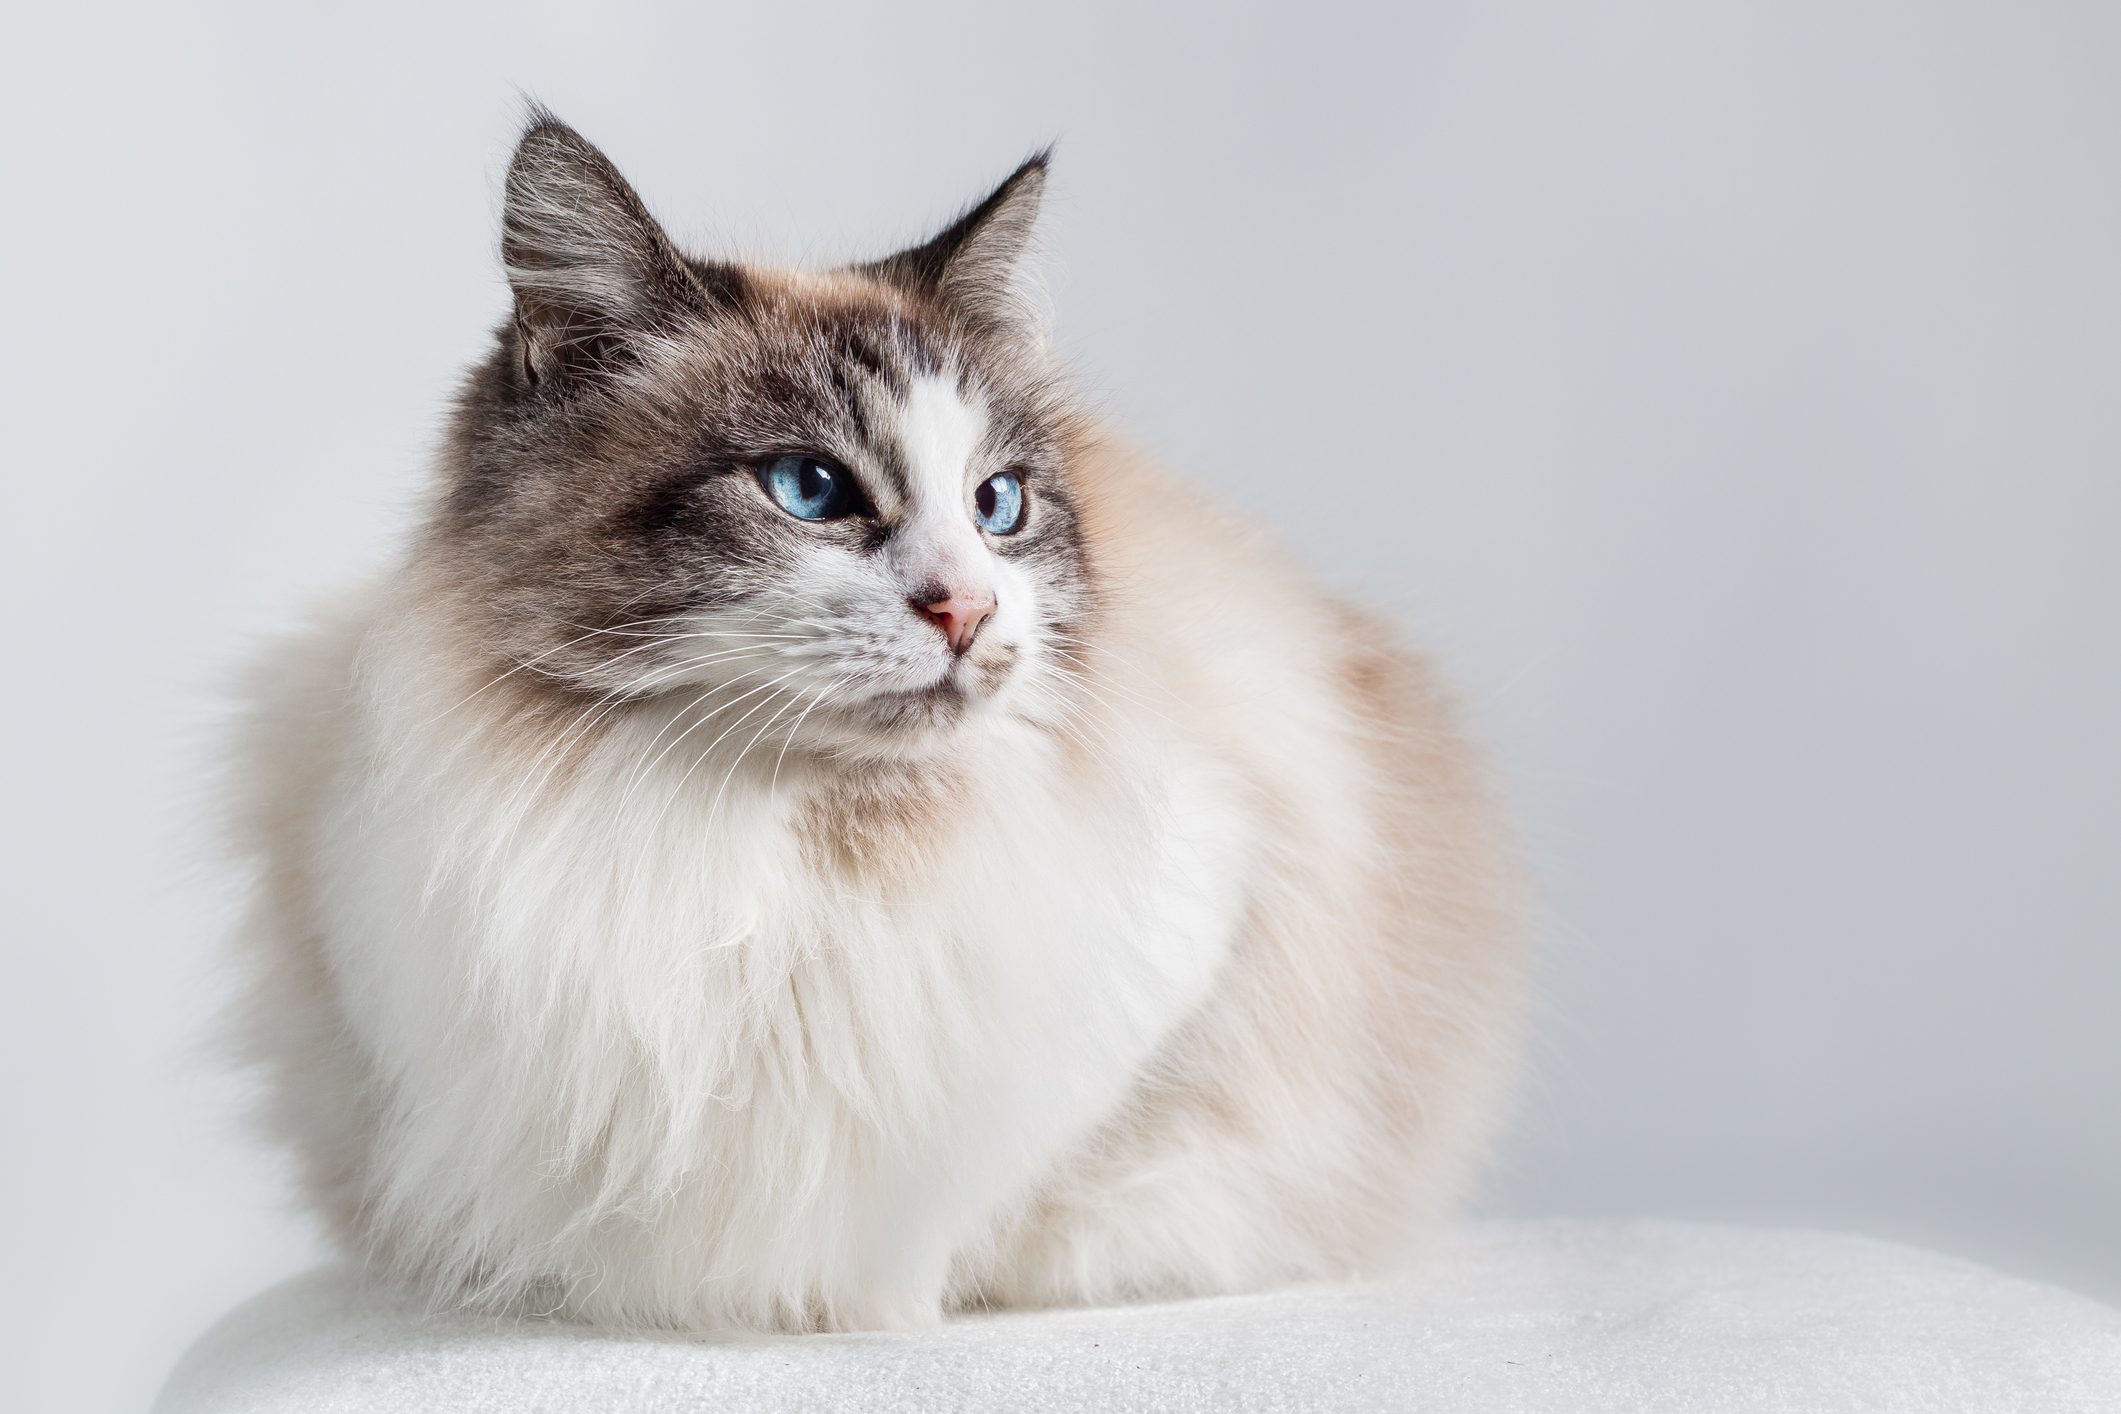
813, 834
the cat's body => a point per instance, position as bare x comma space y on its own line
630, 964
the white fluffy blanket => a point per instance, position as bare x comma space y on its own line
1569, 1317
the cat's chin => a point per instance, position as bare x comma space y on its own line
940, 706
914, 722
959, 692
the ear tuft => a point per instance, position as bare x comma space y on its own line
587, 262
976, 267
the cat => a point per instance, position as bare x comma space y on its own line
815, 834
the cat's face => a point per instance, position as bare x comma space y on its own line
834, 506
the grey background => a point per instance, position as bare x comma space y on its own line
1727, 394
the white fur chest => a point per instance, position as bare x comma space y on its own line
630, 1031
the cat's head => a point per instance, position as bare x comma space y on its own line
845, 495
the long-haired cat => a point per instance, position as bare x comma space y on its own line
814, 833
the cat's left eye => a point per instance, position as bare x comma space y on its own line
998, 505
811, 488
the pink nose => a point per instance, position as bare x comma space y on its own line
959, 616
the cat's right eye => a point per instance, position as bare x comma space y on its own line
811, 488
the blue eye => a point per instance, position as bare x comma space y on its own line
810, 488
999, 503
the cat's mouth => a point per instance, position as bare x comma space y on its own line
960, 686
940, 704
945, 688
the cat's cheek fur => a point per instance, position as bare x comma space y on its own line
639, 1065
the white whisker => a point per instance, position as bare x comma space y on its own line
639, 772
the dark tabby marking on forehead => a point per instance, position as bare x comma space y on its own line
604, 457
856, 349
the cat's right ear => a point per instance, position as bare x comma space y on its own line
594, 276
976, 267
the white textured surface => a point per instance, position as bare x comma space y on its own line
1552, 1316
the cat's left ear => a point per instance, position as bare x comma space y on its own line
978, 268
